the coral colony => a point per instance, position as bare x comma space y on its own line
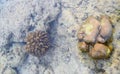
94, 37
37, 43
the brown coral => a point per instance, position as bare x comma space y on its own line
93, 31
89, 30
83, 46
37, 42
100, 51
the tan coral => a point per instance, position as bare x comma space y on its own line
100, 51
106, 29
93, 31
90, 30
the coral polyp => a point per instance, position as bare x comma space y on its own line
96, 33
37, 42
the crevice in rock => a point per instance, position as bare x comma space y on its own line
9, 41
51, 24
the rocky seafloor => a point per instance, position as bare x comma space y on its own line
63, 17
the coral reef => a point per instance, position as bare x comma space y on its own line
37, 42
94, 31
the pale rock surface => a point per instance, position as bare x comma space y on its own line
63, 18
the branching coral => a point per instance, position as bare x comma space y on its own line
37, 42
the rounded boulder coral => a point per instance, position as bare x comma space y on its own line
97, 34
106, 29
37, 42
89, 30
100, 51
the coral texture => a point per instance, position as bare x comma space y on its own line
37, 42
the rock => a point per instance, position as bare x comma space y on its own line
10, 71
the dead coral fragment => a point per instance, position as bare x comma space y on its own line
100, 51
37, 42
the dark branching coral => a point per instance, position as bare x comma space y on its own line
37, 42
